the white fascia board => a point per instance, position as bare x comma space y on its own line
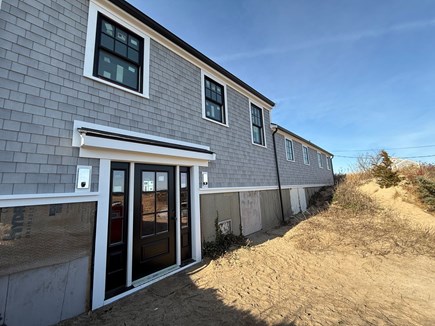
76, 141
126, 146
257, 188
138, 25
125, 156
47, 199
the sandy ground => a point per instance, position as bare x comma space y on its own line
284, 279
396, 198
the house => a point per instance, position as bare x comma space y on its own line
120, 144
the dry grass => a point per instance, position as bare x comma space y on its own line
419, 182
356, 222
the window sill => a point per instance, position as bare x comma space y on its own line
217, 122
116, 86
263, 146
291, 160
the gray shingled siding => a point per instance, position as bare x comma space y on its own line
297, 173
43, 90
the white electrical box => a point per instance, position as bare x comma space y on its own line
84, 174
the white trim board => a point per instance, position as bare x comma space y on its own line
256, 188
76, 141
47, 199
152, 281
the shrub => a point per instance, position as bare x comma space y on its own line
426, 190
383, 172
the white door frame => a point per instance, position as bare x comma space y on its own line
118, 150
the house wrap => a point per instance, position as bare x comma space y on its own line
120, 145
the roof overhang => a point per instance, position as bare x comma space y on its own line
128, 146
152, 24
288, 133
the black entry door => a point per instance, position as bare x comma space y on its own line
154, 219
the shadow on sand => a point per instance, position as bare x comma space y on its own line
175, 300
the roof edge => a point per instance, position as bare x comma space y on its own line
278, 127
130, 9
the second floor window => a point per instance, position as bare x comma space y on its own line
328, 163
257, 125
289, 150
118, 55
214, 101
319, 159
305, 155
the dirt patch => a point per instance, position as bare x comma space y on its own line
339, 267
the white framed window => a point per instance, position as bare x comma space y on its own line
117, 51
257, 125
328, 162
306, 155
214, 99
289, 152
319, 160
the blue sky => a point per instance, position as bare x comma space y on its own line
347, 75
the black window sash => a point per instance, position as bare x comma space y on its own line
99, 47
257, 121
207, 98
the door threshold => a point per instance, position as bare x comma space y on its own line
150, 279
155, 275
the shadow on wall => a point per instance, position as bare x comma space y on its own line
173, 301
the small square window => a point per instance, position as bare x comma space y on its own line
289, 150
306, 155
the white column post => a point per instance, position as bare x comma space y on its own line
130, 226
177, 216
195, 211
101, 226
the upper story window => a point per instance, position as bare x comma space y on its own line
305, 155
328, 163
319, 160
118, 55
214, 100
257, 125
289, 150
117, 51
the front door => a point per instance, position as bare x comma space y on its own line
154, 219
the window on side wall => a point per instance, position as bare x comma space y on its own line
257, 125
289, 150
305, 154
118, 55
319, 159
214, 100
328, 163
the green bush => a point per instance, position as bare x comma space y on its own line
426, 190
383, 172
